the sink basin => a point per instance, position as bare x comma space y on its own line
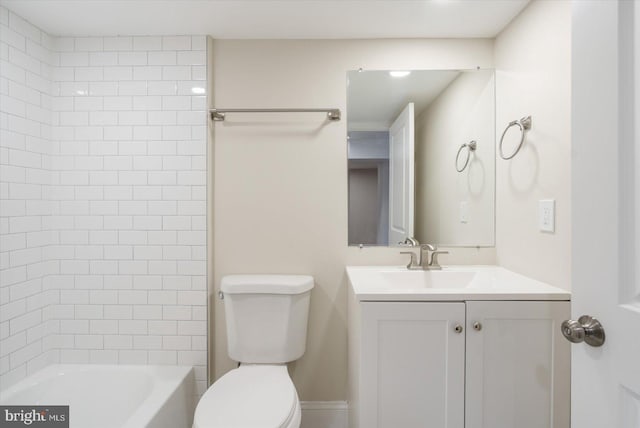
428, 279
452, 283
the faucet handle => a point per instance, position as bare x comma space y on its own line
412, 262
434, 259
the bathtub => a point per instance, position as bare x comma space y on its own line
112, 396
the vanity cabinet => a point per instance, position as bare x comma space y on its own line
412, 365
466, 364
518, 365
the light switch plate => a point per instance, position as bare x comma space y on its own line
464, 212
547, 215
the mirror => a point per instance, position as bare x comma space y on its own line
421, 157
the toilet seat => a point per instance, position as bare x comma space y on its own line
251, 396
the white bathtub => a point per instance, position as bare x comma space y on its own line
112, 396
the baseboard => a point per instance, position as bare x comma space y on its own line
324, 414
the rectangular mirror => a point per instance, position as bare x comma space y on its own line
421, 157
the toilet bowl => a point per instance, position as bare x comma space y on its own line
266, 319
251, 396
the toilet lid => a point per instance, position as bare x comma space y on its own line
251, 396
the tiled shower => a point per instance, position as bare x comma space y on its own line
103, 150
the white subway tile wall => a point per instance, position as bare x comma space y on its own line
26, 229
103, 201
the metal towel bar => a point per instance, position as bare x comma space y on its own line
218, 114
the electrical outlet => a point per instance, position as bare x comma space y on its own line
547, 215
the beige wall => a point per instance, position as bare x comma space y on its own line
280, 181
533, 62
464, 111
211, 346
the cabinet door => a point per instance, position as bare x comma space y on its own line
412, 372
518, 365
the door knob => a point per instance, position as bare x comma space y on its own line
587, 329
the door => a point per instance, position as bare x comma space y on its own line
401, 181
605, 211
412, 370
363, 206
518, 365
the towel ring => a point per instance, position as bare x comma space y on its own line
524, 124
471, 147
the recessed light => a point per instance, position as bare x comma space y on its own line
399, 73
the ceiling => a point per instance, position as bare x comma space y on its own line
272, 19
375, 98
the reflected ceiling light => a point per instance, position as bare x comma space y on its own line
399, 73
197, 90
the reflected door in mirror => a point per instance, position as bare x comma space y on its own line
414, 186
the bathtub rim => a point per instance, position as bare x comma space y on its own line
166, 380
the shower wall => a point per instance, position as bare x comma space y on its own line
121, 202
26, 232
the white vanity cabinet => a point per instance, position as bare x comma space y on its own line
518, 365
459, 362
412, 365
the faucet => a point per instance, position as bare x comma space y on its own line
410, 241
425, 260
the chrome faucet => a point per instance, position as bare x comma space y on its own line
410, 241
427, 258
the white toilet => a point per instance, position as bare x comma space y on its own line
266, 328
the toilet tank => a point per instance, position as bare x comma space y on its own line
266, 316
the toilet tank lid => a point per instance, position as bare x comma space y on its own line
266, 284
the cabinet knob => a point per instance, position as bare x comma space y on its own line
458, 328
477, 326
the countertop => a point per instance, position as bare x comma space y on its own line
452, 283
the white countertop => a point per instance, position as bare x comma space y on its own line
452, 283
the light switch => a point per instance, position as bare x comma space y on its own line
547, 215
464, 212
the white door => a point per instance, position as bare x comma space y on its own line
412, 370
401, 188
605, 211
517, 367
